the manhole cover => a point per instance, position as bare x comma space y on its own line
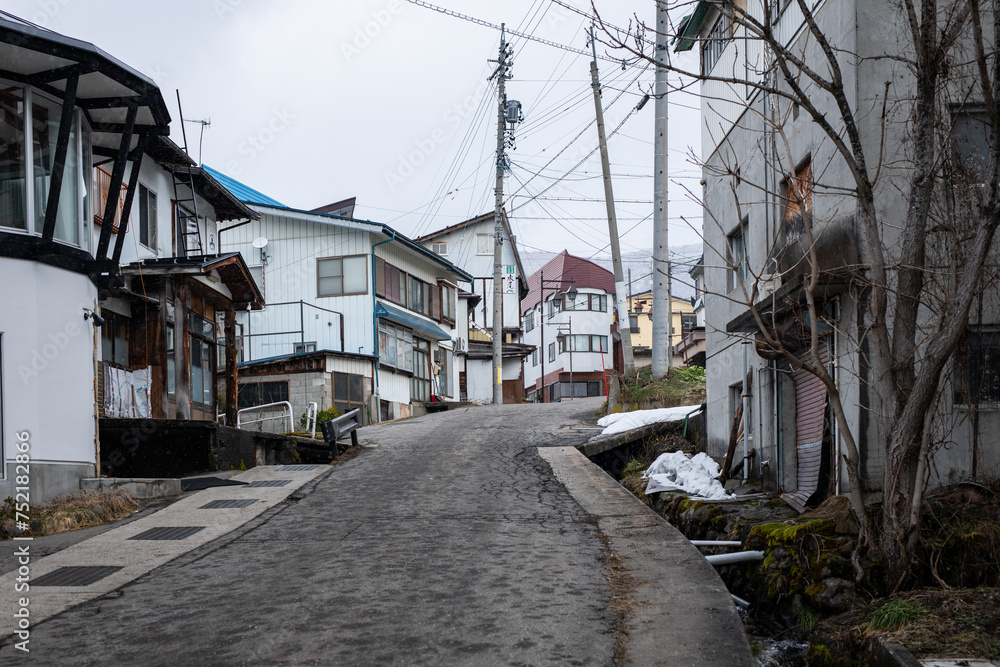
297, 468
261, 483
228, 504
76, 575
168, 533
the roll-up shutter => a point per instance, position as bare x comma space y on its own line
810, 418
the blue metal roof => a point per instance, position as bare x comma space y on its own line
244, 193
399, 316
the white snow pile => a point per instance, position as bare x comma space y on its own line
626, 421
696, 476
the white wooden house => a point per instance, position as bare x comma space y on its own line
377, 307
470, 245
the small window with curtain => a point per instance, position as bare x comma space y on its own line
338, 276
147, 217
484, 244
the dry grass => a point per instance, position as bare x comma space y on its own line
71, 512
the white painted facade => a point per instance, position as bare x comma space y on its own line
593, 324
47, 362
288, 264
470, 245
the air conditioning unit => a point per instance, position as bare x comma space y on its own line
767, 285
459, 345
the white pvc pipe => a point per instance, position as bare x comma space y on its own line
738, 557
716, 543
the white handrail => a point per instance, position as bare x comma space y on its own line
311, 415
240, 422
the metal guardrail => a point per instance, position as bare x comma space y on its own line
259, 408
311, 413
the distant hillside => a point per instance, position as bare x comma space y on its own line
641, 264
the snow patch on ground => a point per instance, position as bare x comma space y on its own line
696, 476
626, 421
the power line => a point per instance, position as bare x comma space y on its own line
472, 19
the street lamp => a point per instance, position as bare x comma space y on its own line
555, 286
561, 337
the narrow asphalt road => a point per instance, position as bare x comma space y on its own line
447, 542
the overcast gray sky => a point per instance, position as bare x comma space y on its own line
386, 101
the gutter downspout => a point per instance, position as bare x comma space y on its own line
374, 318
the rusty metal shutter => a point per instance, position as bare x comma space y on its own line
810, 417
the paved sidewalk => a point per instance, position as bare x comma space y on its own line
119, 547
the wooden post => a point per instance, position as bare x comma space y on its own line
231, 371
182, 352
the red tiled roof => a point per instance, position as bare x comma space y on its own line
568, 270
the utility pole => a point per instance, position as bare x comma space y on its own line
662, 340
505, 113
621, 305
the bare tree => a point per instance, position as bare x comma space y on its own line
923, 260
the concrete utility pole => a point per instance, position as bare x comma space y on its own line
662, 348
501, 74
621, 304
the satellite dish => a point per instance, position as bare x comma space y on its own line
260, 242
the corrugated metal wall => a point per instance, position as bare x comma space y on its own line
810, 419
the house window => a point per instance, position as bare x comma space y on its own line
420, 383
348, 391
738, 266
978, 373
633, 324
529, 320
580, 301
13, 207
302, 348
418, 296
252, 394
713, 45
20, 108
688, 323
201, 330
46, 118
440, 248
583, 343
114, 340
971, 135
444, 373
798, 203
484, 244
147, 217
395, 346
534, 357
555, 306
337, 276
448, 302
552, 351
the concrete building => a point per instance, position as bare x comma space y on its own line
567, 317
760, 187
